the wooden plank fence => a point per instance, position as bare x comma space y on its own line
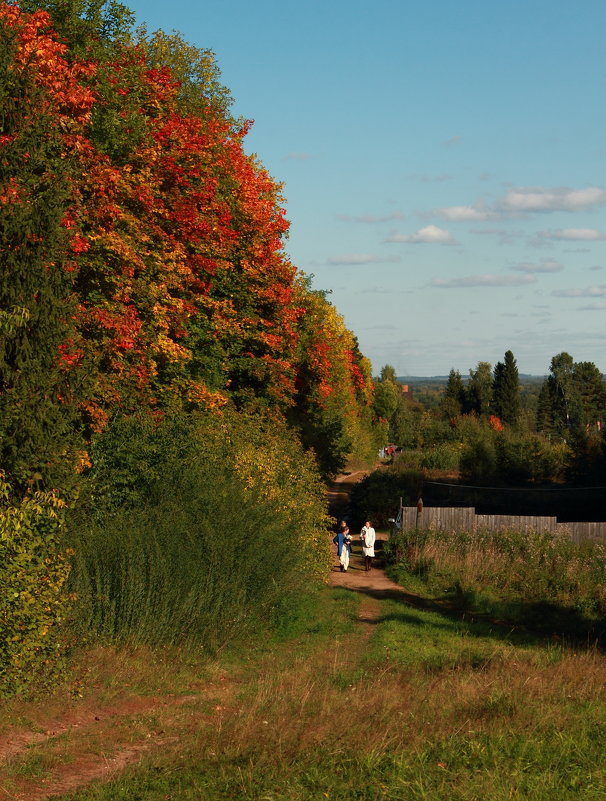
464, 518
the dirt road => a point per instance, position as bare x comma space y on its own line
374, 583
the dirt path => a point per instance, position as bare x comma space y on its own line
86, 743
375, 583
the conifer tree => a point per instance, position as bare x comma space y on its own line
544, 419
454, 395
506, 389
591, 390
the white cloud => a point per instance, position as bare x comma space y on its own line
573, 234
597, 306
544, 266
483, 280
361, 258
540, 199
428, 235
599, 290
465, 213
370, 218
523, 200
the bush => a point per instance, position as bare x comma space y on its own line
194, 529
528, 457
446, 456
377, 498
33, 571
479, 461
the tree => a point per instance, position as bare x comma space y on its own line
545, 417
453, 400
387, 397
388, 373
44, 110
194, 69
565, 402
506, 390
591, 389
479, 390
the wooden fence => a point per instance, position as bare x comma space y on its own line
465, 519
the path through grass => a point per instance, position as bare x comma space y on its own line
364, 699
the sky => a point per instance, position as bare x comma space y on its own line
443, 165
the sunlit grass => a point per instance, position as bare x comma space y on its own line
414, 705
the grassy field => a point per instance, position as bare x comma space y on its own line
357, 698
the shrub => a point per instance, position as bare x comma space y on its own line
479, 461
33, 571
194, 529
442, 457
377, 497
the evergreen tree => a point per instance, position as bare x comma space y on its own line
544, 420
506, 390
591, 390
454, 395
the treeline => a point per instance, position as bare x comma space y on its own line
481, 429
147, 299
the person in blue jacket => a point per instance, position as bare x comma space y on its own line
343, 542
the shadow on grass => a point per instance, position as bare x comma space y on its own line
519, 623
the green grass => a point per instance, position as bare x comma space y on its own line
540, 580
431, 640
559, 765
415, 706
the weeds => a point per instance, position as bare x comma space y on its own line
529, 577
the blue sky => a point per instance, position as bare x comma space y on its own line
443, 165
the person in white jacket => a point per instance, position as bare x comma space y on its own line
368, 536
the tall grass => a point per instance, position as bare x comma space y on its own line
186, 547
520, 573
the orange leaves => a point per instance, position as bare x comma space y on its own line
43, 55
11, 193
174, 244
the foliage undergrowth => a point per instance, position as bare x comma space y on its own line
33, 571
193, 530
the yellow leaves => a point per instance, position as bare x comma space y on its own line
171, 350
196, 392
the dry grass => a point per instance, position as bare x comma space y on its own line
337, 697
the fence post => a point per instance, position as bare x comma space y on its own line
419, 510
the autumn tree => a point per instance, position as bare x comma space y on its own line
334, 388
44, 111
478, 395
